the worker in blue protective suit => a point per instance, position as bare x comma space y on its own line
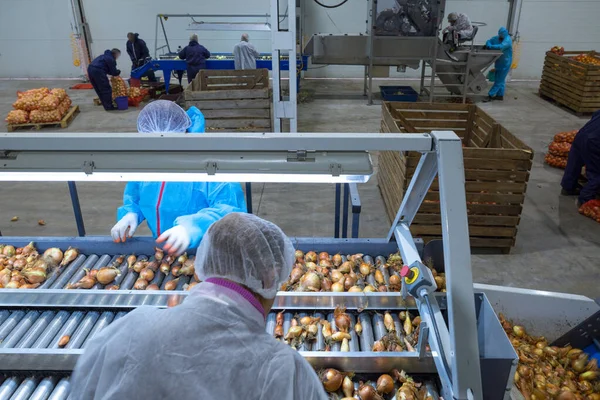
501, 42
195, 55
177, 213
103, 65
139, 54
585, 151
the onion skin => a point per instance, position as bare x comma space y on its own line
131, 260
311, 256
158, 254
326, 285
153, 265
349, 282
345, 267
355, 289
147, 274
336, 276
324, 255
369, 289
278, 331
113, 287
165, 268
368, 392
34, 275
395, 280
379, 277
296, 275
339, 336
9, 251
154, 286
70, 255
294, 332
139, 266
358, 327
299, 254
29, 286
342, 320
332, 379
310, 281
385, 384
337, 287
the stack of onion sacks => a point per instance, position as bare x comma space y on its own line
551, 372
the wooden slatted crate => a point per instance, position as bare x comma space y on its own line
232, 100
573, 84
497, 166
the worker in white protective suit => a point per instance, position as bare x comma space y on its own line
460, 28
245, 54
214, 345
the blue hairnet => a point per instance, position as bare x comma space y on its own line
248, 250
163, 116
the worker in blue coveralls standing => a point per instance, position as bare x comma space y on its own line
177, 213
501, 42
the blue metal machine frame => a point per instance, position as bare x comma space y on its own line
167, 66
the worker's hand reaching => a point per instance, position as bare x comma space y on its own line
177, 240
125, 228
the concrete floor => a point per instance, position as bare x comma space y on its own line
557, 249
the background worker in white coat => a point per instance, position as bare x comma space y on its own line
214, 345
245, 54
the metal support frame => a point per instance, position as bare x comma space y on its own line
350, 198
77, 209
459, 339
284, 41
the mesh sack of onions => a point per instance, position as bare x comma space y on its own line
565, 137
39, 116
15, 117
560, 149
591, 209
64, 106
119, 88
60, 93
28, 102
135, 92
49, 103
40, 91
555, 161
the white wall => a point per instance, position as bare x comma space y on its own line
35, 41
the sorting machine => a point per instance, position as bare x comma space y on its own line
469, 355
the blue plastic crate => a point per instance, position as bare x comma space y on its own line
398, 93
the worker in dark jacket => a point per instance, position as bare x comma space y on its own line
103, 65
585, 150
196, 55
139, 54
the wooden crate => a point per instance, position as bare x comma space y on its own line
497, 166
63, 123
571, 83
232, 100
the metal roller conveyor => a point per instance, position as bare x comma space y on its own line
35, 387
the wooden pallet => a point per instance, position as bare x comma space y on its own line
231, 80
232, 109
63, 123
497, 166
570, 83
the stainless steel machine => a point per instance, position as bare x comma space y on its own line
470, 357
405, 33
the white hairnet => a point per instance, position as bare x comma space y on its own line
163, 116
248, 250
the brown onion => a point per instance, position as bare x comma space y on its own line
69, 256
113, 287
589, 376
337, 287
299, 255
336, 275
64, 341
310, 281
12, 285
385, 384
153, 265
87, 282
41, 264
382, 288
368, 392
158, 254
324, 255
408, 328
416, 321
293, 332
519, 331
388, 322
131, 260
19, 264
311, 256
165, 268
365, 269
379, 277
106, 275
55, 254
311, 266
278, 331
176, 270
369, 289
332, 379
566, 395
378, 346
348, 387
119, 260
349, 282
395, 280
325, 264
345, 267
296, 275
580, 363
147, 274
337, 260
342, 320
153, 286
139, 266
187, 270
306, 320
27, 250
30, 286
182, 258
34, 275
9, 251
326, 284
140, 284
172, 285
355, 289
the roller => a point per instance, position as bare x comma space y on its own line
9, 324
271, 322
9, 386
319, 345
45, 388
63, 281
55, 279
366, 338
83, 329
68, 328
306, 346
26, 388
132, 276
354, 343
20, 329
378, 326
62, 390
105, 319
335, 346
36, 330
104, 261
